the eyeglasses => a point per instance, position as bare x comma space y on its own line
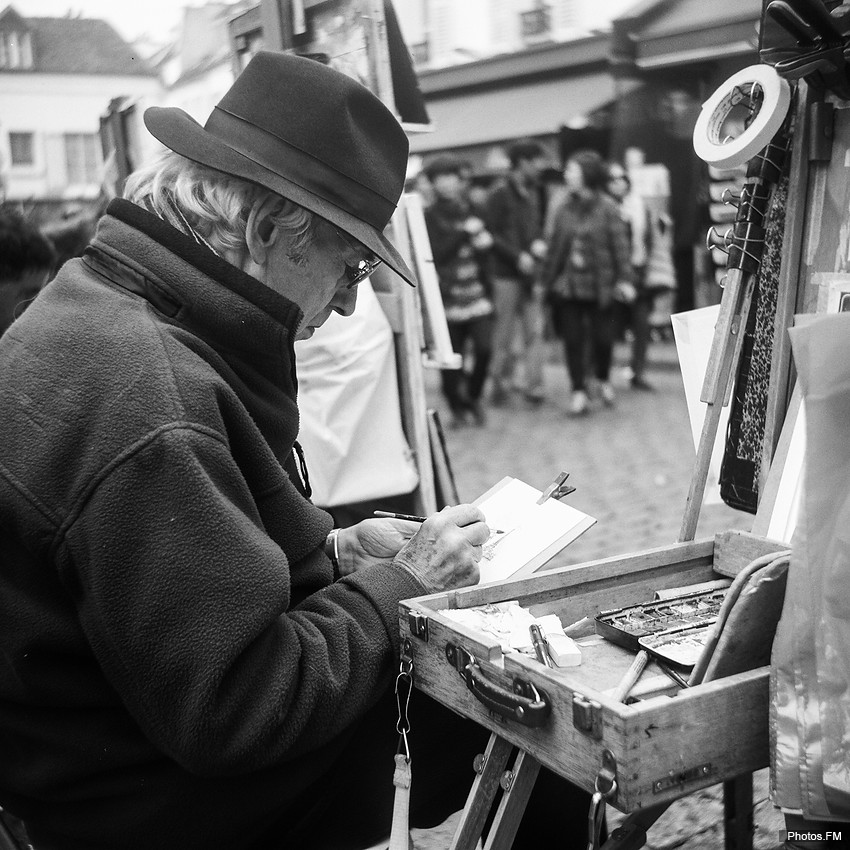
356, 273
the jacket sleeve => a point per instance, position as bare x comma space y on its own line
556, 253
445, 238
620, 247
497, 219
185, 601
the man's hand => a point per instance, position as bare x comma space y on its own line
482, 241
372, 541
538, 249
473, 225
525, 263
625, 292
445, 552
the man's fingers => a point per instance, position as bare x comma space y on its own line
463, 515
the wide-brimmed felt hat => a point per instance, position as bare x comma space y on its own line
308, 133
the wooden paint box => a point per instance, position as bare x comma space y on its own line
669, 743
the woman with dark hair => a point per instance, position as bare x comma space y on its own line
587, 267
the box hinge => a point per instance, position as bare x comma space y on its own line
587, 716
417, 622
681, 777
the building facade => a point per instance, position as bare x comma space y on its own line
442, 32
57, 79
198, 68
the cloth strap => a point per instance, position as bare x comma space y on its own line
400, 834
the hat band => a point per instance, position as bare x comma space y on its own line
314, 176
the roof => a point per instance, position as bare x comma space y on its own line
544, 62
77, 46
663, 33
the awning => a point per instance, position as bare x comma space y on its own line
533, 109
687, 31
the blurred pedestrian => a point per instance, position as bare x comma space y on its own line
637, 309
514, 220
461, 247
422, 185
587, 267
479, 191
27, 260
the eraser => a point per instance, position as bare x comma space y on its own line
563, 650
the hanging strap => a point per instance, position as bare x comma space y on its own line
400, 835
402, 777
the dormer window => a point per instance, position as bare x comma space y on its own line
15, 49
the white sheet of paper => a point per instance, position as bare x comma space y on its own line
694, 332
786, 509
532, 530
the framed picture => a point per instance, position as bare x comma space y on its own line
361, 38
337, 32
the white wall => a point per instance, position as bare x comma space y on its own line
199, 95
50, 105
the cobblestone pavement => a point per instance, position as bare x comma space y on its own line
631, 465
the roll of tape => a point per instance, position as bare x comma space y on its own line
708, 143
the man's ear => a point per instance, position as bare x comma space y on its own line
260, 232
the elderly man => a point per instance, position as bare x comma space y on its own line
191, 656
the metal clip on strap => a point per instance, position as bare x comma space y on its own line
403, 689
596, 815
402, 775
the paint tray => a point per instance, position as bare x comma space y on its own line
680, 648
626, 626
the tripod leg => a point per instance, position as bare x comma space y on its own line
738, 813
512, 805
483, 792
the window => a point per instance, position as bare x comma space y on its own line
82, 158
22, 149
15, 49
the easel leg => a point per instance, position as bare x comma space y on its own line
513, 803
738, 813
481, 796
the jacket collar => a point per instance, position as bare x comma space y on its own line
249, 326
194, 286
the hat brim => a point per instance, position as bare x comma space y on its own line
180, 132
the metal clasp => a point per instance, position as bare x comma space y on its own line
417, 622
587, 716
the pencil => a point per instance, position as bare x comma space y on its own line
412, 518
391, 515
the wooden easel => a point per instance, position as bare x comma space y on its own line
516, 780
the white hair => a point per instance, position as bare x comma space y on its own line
213, 204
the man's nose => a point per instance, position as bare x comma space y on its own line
345, 301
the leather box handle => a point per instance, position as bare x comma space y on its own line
525, 703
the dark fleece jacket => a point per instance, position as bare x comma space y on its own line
177, 663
